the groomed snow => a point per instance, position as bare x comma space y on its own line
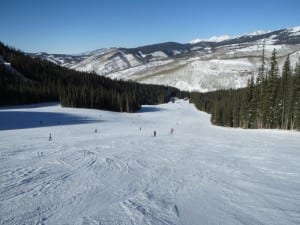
202, 174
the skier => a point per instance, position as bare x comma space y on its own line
171, 131
154, 133
96, 130
50, 137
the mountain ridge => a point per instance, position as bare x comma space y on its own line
202, 66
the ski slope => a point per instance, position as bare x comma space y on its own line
121, 175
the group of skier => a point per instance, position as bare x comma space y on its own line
171, 132
96, 131
40, 154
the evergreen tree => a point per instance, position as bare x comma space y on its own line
296, 109
272, 104
250, 104
260, 83
286, 93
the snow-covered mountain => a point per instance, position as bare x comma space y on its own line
203, 65
212, 39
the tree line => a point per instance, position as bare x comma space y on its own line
44, 81
270, 101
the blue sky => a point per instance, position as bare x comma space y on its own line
70, 26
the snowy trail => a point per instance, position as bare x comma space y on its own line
202, 174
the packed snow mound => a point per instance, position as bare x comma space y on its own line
106, 168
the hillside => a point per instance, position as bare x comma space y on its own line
204, 65
27, 80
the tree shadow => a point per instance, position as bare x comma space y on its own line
146, 109
22, 120
31, 106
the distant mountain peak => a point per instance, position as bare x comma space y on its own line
219, 38
295, 30
258, 32
197, 40
211, 39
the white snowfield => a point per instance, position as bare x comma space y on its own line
121, 175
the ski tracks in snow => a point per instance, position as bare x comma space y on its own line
122, 175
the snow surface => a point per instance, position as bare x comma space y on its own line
204, 75
159, 54
197, 40
295, 29
202, 174
106, 62
219, 38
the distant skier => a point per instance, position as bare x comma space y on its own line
171, 131
96, 131
154, 133
140, 128
50, 137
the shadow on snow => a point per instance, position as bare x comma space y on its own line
146, 109
31, 106
21, 120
